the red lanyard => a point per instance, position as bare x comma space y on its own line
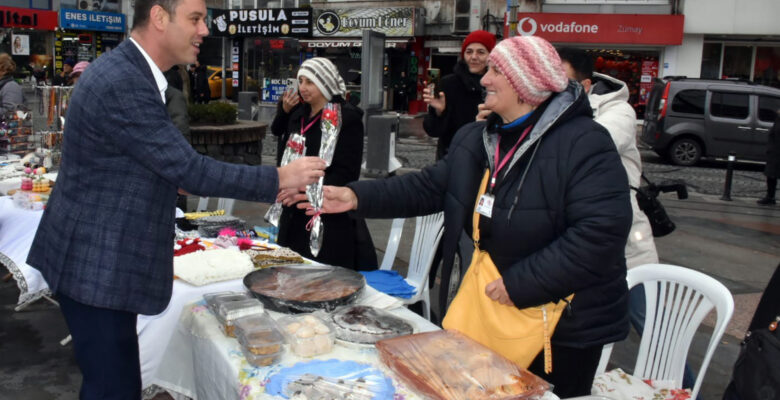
313, 121
506, 157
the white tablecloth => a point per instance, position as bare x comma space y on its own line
17, 230
202, 363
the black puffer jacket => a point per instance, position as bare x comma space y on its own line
462, 94
567, 231
339, 243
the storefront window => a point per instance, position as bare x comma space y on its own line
710, 60
767, 67
736, 62
636, 68
270, 59
36, 55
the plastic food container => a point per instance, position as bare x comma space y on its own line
307, 334
260, 340
229, 312
446, 365
214, 300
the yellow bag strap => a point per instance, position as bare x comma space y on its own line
482, 188
547, 348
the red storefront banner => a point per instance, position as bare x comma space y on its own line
603, 28
44, 20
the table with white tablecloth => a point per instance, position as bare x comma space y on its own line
202, 363
17, 231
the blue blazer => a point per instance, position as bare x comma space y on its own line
106, 237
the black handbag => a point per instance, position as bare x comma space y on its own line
756, 373
647, 198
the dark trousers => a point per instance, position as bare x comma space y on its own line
105, 344
771, 187
573, 369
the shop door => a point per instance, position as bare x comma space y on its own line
737, 62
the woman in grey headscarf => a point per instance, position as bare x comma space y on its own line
320, 83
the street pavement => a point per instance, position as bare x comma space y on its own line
735, 241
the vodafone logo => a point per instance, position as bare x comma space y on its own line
528, 27
521, 26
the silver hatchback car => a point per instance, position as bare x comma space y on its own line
687, 119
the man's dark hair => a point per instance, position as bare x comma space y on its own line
580, 62
143, 7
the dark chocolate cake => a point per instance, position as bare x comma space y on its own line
367, 325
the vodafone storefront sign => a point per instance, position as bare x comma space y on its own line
603, 28
560, 27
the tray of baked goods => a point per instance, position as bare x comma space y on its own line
305, 288
447, 365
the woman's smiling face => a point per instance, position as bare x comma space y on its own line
500, 95
476, 57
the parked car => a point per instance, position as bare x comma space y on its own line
215, 82
688, 118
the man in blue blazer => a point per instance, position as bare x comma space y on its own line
105, 242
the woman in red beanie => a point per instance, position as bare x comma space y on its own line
459, 93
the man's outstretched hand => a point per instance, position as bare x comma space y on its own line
301, 172
335, 200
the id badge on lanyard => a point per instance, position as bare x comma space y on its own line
485, 205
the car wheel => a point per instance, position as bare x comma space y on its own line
685, 152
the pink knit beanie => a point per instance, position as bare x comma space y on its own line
532, 67
79, 67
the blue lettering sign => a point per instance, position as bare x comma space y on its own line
92, 20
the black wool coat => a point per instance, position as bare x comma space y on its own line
564, 231
462, 94
339, 235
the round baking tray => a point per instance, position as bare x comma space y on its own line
300, 279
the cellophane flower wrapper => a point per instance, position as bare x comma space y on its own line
295, 149
330, 126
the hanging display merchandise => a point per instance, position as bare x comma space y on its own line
16, 133
53, 103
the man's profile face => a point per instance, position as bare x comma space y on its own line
185, 30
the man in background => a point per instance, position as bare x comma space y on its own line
63, 77
609, 100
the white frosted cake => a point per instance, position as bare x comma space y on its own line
204, 267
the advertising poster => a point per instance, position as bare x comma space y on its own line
649, 72
20, 45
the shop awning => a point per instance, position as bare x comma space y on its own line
351, 42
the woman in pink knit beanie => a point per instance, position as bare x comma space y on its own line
77, 70
541, 189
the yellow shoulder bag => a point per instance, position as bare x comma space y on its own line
517, 334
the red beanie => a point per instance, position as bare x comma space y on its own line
484, 38
532, 67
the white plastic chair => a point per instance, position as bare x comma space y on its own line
677, 300
222, 204
427, 234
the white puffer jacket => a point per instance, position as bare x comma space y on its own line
609, 99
